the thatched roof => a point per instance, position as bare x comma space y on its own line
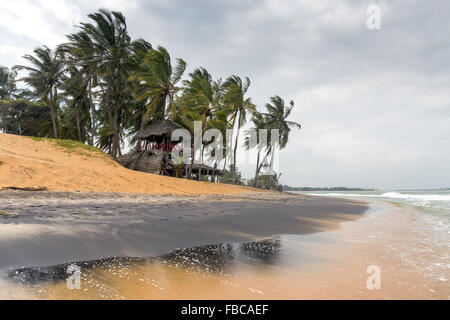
158, 129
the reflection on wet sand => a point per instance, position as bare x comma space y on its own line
327, 265
165, 276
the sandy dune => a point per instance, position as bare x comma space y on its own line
29, 163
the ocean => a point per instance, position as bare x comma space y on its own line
429, 247
436, 203
432, 205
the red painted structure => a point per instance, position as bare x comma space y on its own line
165, 146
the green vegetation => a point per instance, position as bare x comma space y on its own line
265, 182
101, 87
228, 178
69, 145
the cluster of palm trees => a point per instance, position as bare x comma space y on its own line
102, 87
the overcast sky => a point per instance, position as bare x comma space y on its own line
374, 104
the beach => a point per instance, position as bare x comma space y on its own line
252, 246
162, 152
135, 235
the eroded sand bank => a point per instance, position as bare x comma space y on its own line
29, 163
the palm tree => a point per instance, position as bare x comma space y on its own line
44, 77
276, 118
158, 83
137, 110
259, 123
239, 107
77, 101
201, 100
80, 57
104, 47
202, 94
7, 83
220, 121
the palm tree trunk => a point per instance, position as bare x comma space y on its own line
257, 169
224, 168
116, 132
77, 115
201, 164
233, 171
189, 169
112, 120
164, 107
141, 127
52, 114
92, 113
213, 176
271, 167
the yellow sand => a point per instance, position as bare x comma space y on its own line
28, 163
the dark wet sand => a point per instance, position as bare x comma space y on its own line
47, 228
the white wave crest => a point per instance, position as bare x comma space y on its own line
391, 194
408, 196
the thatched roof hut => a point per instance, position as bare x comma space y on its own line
154, 154
158, 131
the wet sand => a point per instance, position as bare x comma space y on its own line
47, 228
320, 250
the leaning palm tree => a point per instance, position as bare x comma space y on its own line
259, 123
201, 93
103, 48
77, 101
201, 100
158, 81
136, 120
80, 56
277, 118
44, 77
239, 107
220, 121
